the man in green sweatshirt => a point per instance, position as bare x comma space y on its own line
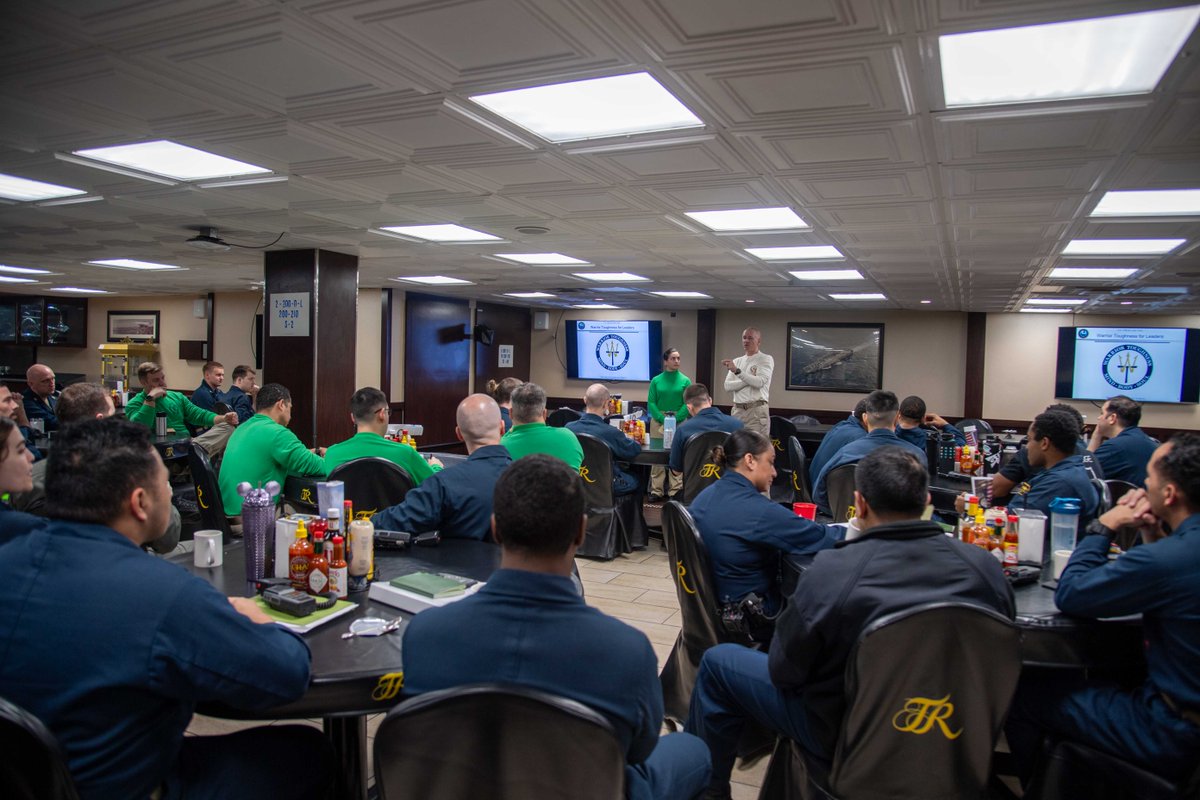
181, 412
666, 395
531, 434
370, 411
263, 449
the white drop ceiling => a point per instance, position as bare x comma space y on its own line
830, 107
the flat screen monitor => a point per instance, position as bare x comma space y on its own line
613, 349
1151, 365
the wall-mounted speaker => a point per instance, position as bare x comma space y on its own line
484, 335
541, 320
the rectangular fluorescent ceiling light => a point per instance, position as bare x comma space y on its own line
529, 295
540, 259
592, 305
442, 233
23, 189
436, 280
828, 275
1055, 301
77, 289
610, 277
171, 160
1101, 57
1166, 203
859, 296
682, 294
749, 219
1103, 273
590, 109
1047, 311
11, 279
130, 263
816, 252
1120, 247
24, 270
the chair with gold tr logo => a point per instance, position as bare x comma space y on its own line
371, 484
699, 470
208, 492
927, 690
839, 489
615, 522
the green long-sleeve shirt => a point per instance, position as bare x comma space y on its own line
666, 394
366, 444
262, 450
177, 408
538, 437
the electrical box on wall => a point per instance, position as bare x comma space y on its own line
541, 320
200, 308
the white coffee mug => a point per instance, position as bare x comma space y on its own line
208, 551
1061, 557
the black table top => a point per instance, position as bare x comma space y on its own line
360, 675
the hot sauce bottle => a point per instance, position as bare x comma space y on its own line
299, 555
338, 570
318, 567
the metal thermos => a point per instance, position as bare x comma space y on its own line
160, 423
945, 463
993, 449
258, 528
933, 450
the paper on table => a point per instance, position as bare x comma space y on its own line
306, 623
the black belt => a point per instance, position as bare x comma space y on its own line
1191, 716
748, 406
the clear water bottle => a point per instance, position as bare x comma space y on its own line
668, 428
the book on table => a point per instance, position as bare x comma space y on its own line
418, 591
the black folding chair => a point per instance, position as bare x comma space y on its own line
497, 741
801, 485
782, 431
927, 690
839, 490
372, 484
699, 470
33, 766
615, 522
1114, 490
208, 492
561, 416
1074, 771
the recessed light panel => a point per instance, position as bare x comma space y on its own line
442, 233
828, 275
529, 295
610, 277
23, 189
435, 280
1125, 54
593, 305
171, 160
541, 259
1120, 247
590, 109
24, 270
1055, 301
1039, 310
859, 296
77, 289
130, 263
11, 279
816, 252
1166, 203
683, 295
749, 219
1089, 273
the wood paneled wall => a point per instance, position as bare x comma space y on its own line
512, 326
437, 355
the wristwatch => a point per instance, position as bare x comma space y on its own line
737, 372
1098, 528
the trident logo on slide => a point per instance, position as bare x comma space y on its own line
1127, 367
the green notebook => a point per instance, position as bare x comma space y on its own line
427, 584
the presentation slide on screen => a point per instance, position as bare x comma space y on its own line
613, 350
1143, 363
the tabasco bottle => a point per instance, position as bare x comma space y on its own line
318, 567
299, 558
1011, 541
339, 569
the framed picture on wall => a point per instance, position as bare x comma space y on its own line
137, 326
835, 356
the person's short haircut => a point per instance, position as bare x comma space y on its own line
1128, 410
528, 403
696, 393
892, 481
148, 368
93, 467
209, 366
668, 351
596, 395
538, 505
1180, 465
501, 391
913, 407
1071, 410
478, 418
241, 371
739, 443
860, 408
1059, 427
7, 426
881, 407
81, 401
365, 402
271, 394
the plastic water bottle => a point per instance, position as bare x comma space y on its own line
1064, 522
668, 428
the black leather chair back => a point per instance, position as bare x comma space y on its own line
604, 538
699, 470
801, 484
372, 484
32, 766
805, 421
782, 430
1074, 771
981, 426
208, 492
500, 742
559, 417
1114, 490
701, 626
927, 691
839, 489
